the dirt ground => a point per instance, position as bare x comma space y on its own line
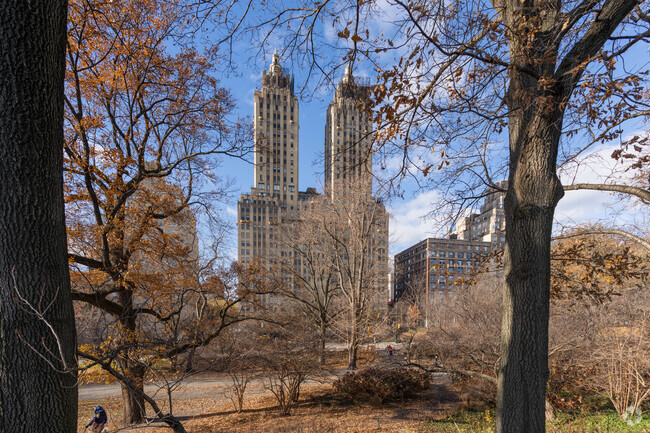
203, 406
316, 412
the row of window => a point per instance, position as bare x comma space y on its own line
448, 271
440, 292
451, 262
458, 247
451, 254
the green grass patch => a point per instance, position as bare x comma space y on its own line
469, 421
599, 422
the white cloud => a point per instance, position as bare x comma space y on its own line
409, 224
231, 211
330, 32
581, 206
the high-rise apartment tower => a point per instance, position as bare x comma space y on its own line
274, 195
348, 137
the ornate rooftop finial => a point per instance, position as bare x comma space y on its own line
275, 67
347, 75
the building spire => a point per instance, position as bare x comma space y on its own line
347, 75
275, 67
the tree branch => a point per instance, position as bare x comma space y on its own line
641, 193
617, 232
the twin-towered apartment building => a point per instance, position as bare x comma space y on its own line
274, 202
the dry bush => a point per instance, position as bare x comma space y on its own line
288, 357
600, 346
625, 372
285, 384
465, 329
380, 385
241, 372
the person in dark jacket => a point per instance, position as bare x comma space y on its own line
98, 420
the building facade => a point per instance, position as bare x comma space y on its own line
274, 200
348, 166
490, 224
435, 268
348, 131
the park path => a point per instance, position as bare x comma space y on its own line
215, 385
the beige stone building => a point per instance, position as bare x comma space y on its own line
490, 224
348, 164
274, 199
272, 206
348, 137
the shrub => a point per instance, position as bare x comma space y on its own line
380, 385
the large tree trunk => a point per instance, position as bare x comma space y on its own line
134, 408
533, 193
33, 251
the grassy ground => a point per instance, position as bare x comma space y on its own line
483, 422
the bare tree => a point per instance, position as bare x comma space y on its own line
351, 230
315, 289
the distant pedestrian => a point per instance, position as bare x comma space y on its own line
390, 350
98, 421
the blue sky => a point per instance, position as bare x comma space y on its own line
409, 221
410, 216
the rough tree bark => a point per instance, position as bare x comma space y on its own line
34, 280
134, 408
540, 88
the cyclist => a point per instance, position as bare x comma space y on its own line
98, 420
